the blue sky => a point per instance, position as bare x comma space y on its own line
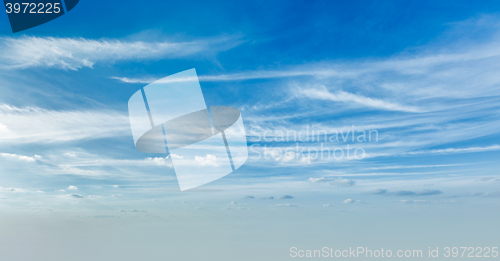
423, 75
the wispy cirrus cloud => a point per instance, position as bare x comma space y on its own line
431, 73
38, 125
20, 157
76, 53
346, 97
404, 82
455, 150
252, 75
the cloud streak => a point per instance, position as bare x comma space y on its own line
455, 150
339, 182
19, 157
346, 97
76, 53
37, 125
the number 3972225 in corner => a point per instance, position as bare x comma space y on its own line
26, 14
33, 8
470, 252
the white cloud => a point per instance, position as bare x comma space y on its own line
351, 201
209, 160
175, 156
37, 125
160, 161
72, 187
75, 53
434, 72
90, 165
95, 160
73, 195
18, 157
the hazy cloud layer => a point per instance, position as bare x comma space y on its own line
339, 182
